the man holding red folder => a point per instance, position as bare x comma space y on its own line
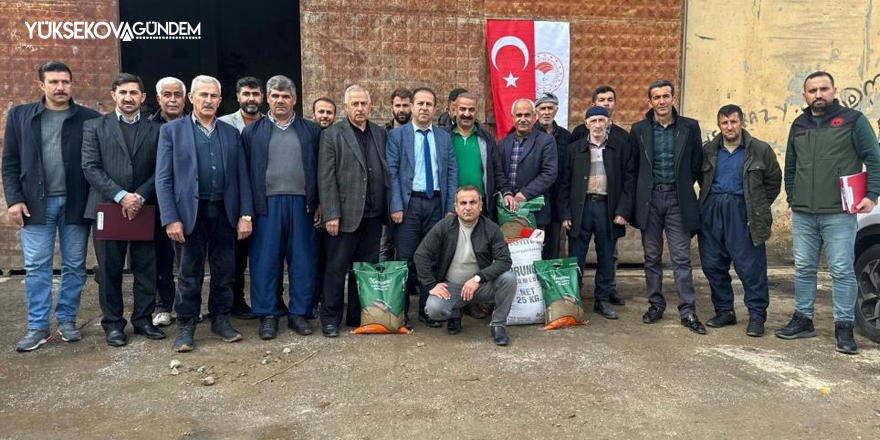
119, 161
826, 142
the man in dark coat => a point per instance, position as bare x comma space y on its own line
596, 198
530, 161
670, 156
46, 193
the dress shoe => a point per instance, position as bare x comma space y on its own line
223, 328
429, 322
722, 319
242, 311
474, 311
755, 328
605, 309
149, 331
330, 331
499, 335
268, 327
615, 299
116, 338
653, 315
693, 324
453, 326
185, 340
299, 325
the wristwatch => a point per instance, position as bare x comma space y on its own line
246, 218
477, 279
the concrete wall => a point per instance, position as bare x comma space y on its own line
756, 54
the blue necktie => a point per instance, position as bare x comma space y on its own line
429, 170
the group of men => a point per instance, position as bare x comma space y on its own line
320, 195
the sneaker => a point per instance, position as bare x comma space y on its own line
755, 328
69, 332
799, 327
843, 333
722, 319
223, 328
185, 336
162, 319
32, 340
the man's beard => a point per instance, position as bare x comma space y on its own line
402, 118
250, 109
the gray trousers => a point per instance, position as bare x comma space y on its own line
499, 292
665, 215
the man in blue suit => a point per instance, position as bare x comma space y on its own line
424, 178
531, 163
206, 204
282, 153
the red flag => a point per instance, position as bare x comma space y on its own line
511, 46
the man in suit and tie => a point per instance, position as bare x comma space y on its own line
282, 152
424, 177
355, 188
206, 202
530, 160
119, 161
669, 152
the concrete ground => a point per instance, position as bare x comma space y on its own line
610, 379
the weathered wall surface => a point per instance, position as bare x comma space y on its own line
94, 62
387, 45
442, 44
757, 54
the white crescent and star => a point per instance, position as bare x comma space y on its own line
505, 41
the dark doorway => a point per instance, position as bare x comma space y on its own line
259, 38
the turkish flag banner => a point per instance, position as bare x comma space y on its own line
527, 59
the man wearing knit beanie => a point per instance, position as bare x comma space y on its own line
596, 200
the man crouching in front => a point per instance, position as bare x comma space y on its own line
463, 260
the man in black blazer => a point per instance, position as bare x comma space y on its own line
355, 190
119, 161
670, 156
46, 193
530, 162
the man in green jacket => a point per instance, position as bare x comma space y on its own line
741, 179
825, 142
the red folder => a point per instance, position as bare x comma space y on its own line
853, 189
111, 224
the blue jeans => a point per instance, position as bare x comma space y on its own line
38, 246
837, 234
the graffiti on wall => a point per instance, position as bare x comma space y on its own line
854, 97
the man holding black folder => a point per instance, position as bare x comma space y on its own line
119, 162
826, 142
